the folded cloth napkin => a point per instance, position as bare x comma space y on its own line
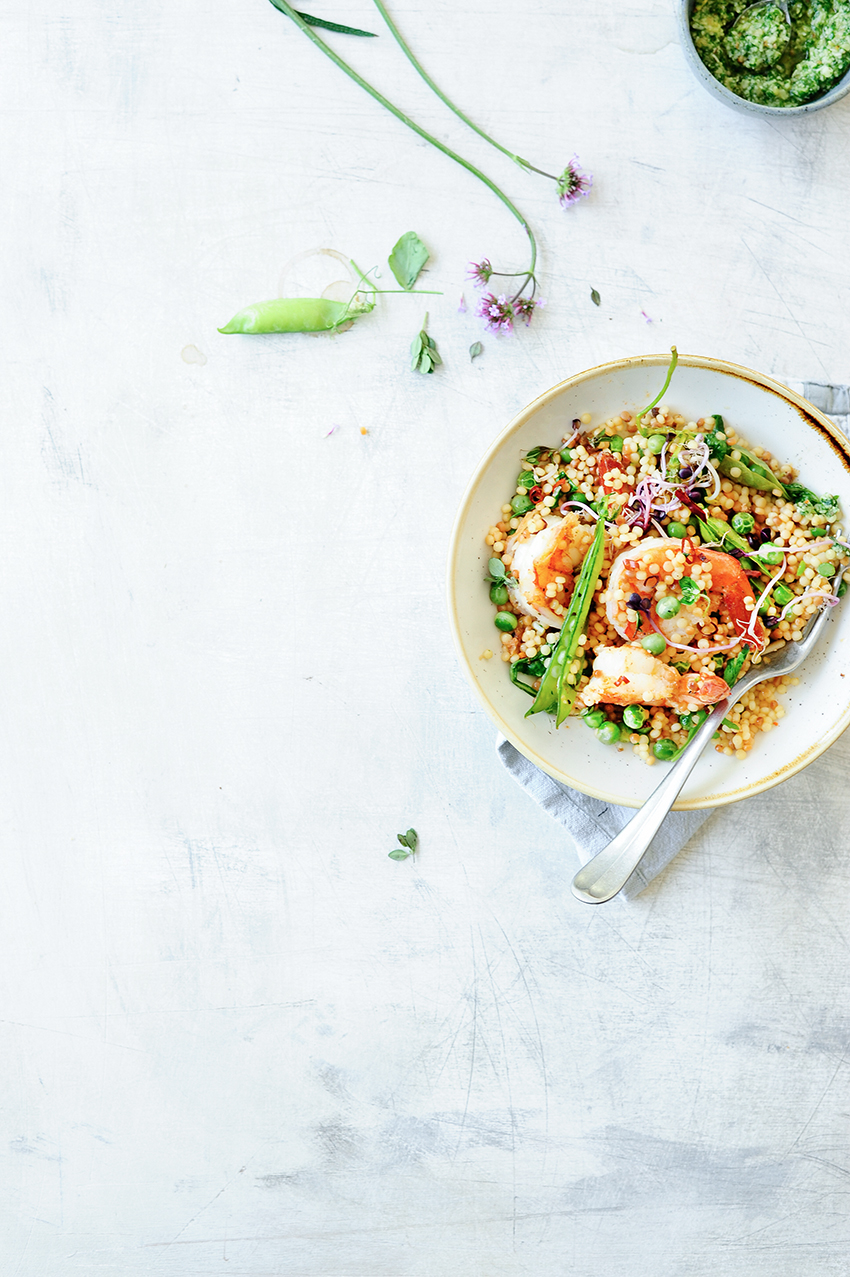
592, 823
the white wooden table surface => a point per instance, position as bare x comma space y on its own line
236, 1038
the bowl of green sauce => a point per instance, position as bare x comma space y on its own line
752, 59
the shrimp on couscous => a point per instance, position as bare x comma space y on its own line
644, 563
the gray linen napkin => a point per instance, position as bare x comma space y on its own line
591, 823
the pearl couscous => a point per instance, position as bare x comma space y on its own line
712, 557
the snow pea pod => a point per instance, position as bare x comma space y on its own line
296, 315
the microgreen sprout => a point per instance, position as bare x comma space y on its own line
408, 846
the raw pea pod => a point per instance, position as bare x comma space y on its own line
753, 473
296, 315
717, 530
558, 687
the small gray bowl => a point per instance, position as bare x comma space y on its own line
719, 91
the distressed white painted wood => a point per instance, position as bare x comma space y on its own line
236, 1038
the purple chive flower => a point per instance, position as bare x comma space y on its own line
524, 308
646, 317
572, 183
498, 312
480, 272
462, 306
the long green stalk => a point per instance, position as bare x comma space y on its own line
418, 67
286, 8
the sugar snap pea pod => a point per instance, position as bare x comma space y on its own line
559, 685
752, 472
296, 315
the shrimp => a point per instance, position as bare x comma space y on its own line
628, 675
546, 553
653, 568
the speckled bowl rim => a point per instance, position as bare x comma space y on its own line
719, 91
806, 410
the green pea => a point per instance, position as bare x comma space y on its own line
665, 749
685, 721
782, 595
616, 443
655, 644
594, 718
771, 554
742, 523
655, 443
609, 734
676, 529
634, 716
826, 569
668, 606
521, 505
295, 315
499, 594
526, 479
801, 569
505, 621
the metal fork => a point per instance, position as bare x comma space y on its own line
609, 871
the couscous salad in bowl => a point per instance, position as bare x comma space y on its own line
632, 544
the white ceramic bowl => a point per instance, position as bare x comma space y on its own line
764, 412
719, 91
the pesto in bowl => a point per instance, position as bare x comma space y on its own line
763, 60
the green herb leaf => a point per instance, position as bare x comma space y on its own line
808, 503
423, 351
409, 842
332, 26
732, 672
407, 259
594, 297
475, 350
717, 447
690, 590
536, 667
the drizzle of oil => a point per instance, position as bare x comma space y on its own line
191, 355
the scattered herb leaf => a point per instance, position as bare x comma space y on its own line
423, 352
408, 846
407, 259
475, 350
595, 298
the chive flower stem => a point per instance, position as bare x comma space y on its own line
287, 8
418, 67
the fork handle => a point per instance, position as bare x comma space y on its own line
609, 870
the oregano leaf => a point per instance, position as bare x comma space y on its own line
475, 350
595, 298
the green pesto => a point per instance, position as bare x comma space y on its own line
763, 60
